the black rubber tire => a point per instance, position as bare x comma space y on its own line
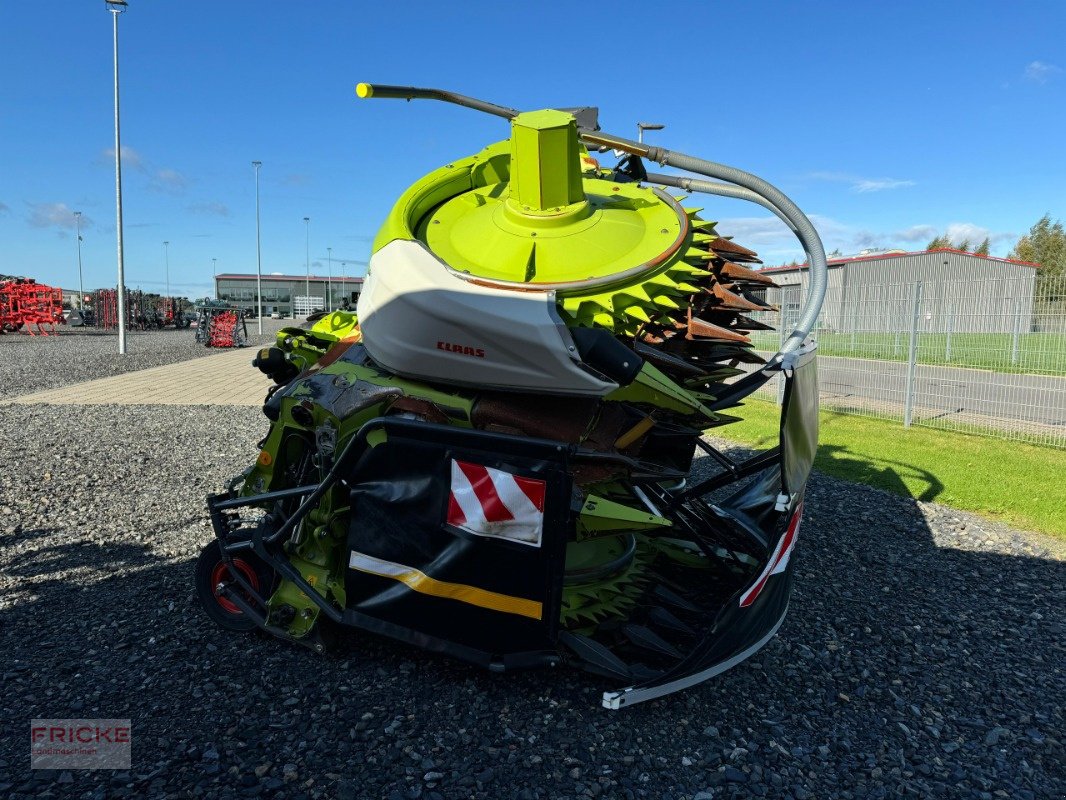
207, 567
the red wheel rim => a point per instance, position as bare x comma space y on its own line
221, 573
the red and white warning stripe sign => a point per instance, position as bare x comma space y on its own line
490, 502
778, 561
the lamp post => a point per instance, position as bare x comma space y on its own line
647, 126
166, 257
116, 7
307, 255
81, 283
329, 278
214, 275
258, 253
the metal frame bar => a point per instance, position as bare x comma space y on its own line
263, 546
626, 697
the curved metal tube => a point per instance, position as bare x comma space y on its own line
774, 199
367, 90
723, 189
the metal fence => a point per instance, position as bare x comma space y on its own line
937, 354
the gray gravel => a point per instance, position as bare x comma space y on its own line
34, 363
922, 656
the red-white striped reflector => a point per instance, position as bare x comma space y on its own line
490, 502
778, 561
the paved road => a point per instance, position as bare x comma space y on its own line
946, 391
225, 379
1036, 403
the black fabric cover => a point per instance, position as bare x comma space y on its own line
399, 497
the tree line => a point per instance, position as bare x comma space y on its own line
945, 242
1044, 244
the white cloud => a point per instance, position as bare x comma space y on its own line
773, 241
1041, 71
215, 209
963, 231
829, 176
960, 231
880, 184
920, 235
862, 185
168, 180
753, 231
160, 179
917, 233
55, 215
776, 244
131, 159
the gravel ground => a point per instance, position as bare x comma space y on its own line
922, 656
34, 363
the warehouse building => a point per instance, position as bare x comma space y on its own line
949, 290
289, 295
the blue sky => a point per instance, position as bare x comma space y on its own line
887, 122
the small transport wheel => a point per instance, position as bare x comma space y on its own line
212, 570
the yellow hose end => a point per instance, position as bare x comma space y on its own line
364, 90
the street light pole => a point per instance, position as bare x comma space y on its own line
214, 275
116, 7
166, 256
329, 278
258, 253
307, 245
81, 283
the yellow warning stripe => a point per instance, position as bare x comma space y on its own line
421, 582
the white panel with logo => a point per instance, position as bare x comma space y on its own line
420, 320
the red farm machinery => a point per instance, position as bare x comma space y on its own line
220, 325
143, 311
26, 304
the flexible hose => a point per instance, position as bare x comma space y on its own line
740, 193
723, 189
780, 204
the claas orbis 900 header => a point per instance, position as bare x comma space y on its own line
493, 457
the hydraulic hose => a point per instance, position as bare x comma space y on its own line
784, 207
723, 189
761, 192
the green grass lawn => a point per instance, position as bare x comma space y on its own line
1019, 484
1043, 353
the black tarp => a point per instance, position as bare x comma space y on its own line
399, 499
